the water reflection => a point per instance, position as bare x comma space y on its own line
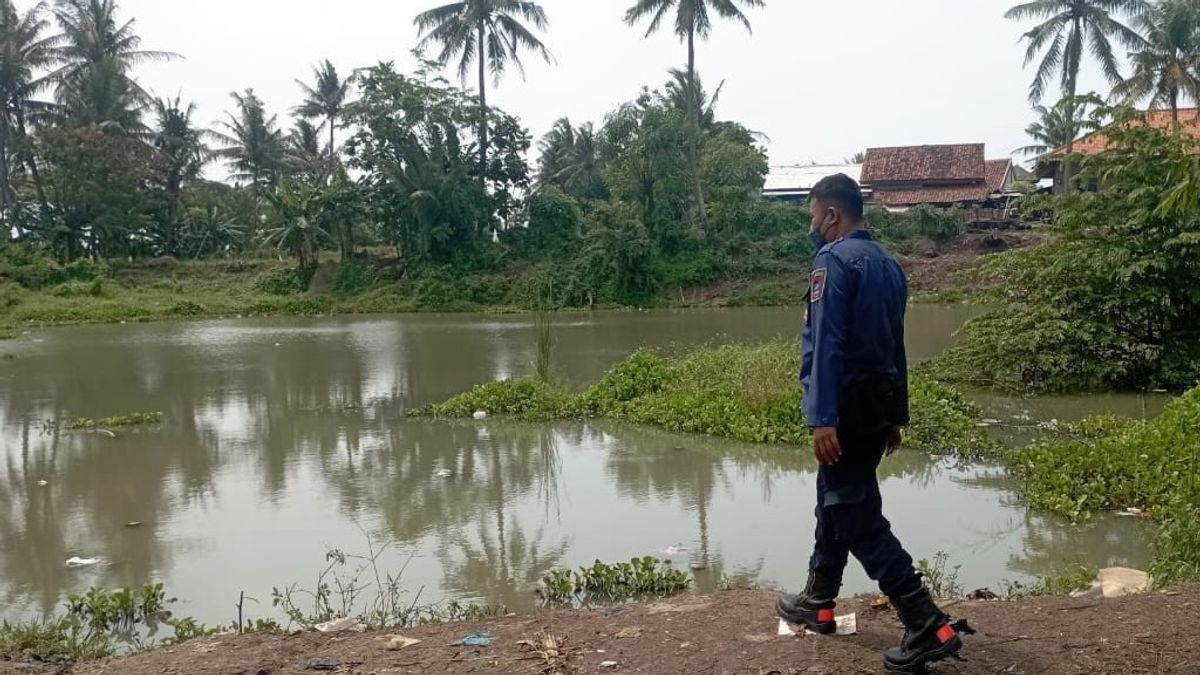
282, 439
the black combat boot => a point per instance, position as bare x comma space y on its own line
928, 634
814, 607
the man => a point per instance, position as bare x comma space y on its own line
856, 399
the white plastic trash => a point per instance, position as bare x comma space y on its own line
82, 562
480, 415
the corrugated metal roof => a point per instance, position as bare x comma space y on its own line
804, 177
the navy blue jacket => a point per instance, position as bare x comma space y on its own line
855, 325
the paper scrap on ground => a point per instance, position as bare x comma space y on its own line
339, 625
846, 625
398, 642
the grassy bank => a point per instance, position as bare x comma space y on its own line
749, 393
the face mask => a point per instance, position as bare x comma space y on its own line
818, 239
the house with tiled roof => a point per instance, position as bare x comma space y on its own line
1097, 142
939, 175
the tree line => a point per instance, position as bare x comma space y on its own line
92, 165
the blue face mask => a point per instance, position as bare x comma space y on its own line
818, 240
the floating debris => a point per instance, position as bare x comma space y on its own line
480, 415
443, 473
43, 483
675, 549
134, 523
82, 562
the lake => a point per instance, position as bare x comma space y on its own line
285, 438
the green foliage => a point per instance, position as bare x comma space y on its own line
745, 392
1112, 300
35, 270
131, 420
354, 276
554, 223
285, 281
765, 295
638, 579
921, 221
1077, 579
940, 578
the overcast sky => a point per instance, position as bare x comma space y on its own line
821, 78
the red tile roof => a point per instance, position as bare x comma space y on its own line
1096, 143
996, 171
946, 194
924, 164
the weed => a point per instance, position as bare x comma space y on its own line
1077, 579
745, 392
640, 578
131, 420
941, 580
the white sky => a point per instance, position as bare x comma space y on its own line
822, 78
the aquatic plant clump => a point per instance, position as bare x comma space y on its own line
640, 578
749, 393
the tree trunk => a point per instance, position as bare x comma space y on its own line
1066, 165
694, 133
332, 147
5, 175
483, 111
31, 162
1175, 111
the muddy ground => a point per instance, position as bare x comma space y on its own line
732, 632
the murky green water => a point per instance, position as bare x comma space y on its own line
284, 438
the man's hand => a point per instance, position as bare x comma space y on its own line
826, 446
893, 440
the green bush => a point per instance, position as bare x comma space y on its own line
936, 224
35, 270
79, 289
292, 281
747, 393
354, 276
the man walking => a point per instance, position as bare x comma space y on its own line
855, 381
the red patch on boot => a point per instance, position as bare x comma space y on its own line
825, 616
946, 633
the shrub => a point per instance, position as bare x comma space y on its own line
285, 281
354, 276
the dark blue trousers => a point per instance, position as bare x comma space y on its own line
850, 518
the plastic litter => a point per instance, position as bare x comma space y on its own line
341, 625
475, 640
846, 625
82, 562
398, 642
443, 473
43, 483
611, 665
134, 523
1117, 582
675, 549
480, 415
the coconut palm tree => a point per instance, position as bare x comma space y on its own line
325, 99
26, 54
176, 136
92, 35
489, 34
1167, 67
692, 19
1061, 124
1067, 29
305, 158
570, 161
255, 146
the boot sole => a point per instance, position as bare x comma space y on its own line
821, 628
947, 650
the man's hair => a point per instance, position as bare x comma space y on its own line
841, 191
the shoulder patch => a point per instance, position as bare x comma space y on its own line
816, 286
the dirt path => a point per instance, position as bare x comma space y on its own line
733, 632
